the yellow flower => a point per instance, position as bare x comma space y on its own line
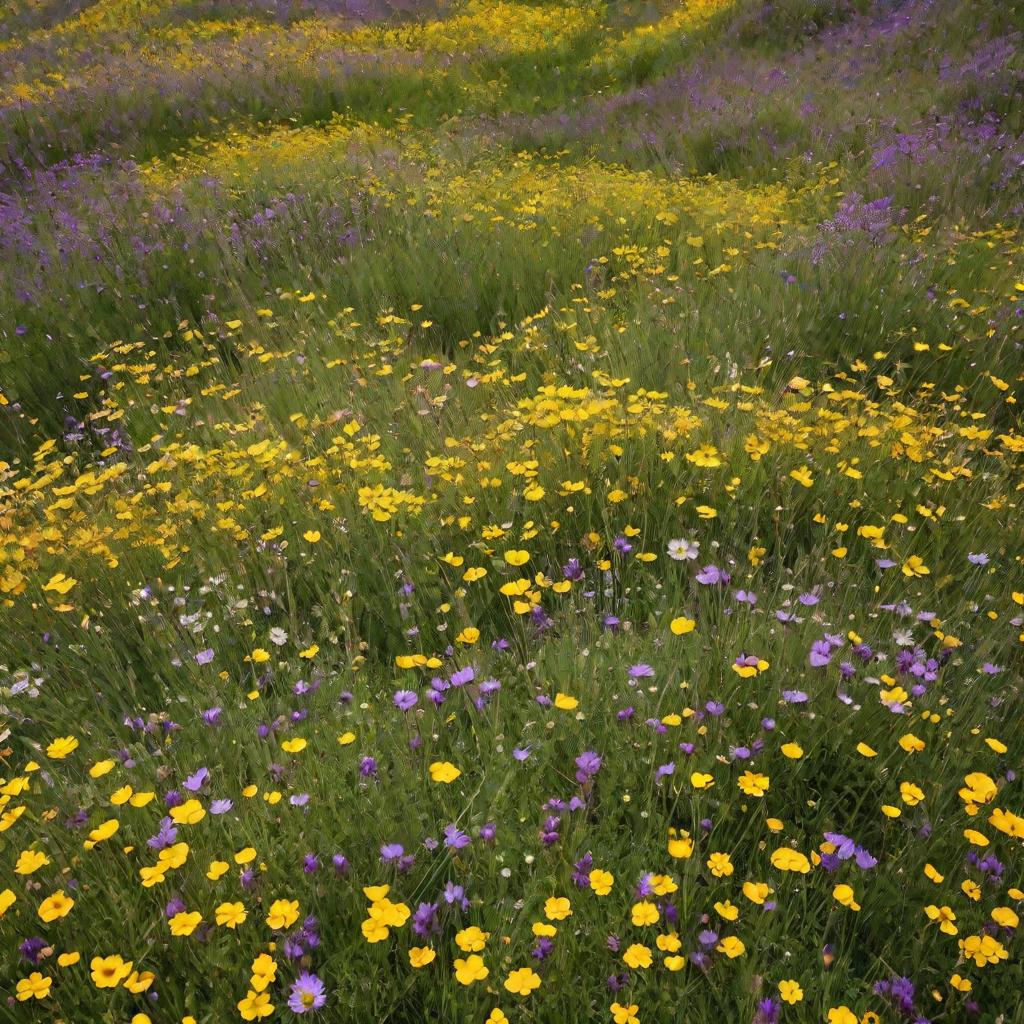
109, 971
29, 861
727, 911
914, 566
680, 845
230, 915
470, 970
522, 981
471, 939
56, 906
731, 946
35, 986
218, 868
282, 914
944, 916
191, 812
601, 881
638, 957
69, 959
753, 784
517, 557
420, 956
644, 913
311, 536
264, 970
139, 981
757, 892
701, 780
720, 865
61, 747
259, 655
865, 751
983, 949
786, 859
60, 584
444, 771
185, 922
557, 908
682, 625
844, 895
625, 1014
911, 794
565, 703
295, 745
790, 991
255, 1005
792, 750
1005, 917
842, 1015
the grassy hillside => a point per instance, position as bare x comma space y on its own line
511, 511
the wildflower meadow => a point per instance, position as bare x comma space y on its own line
511, 511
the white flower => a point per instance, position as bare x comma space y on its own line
278, 637
683, 550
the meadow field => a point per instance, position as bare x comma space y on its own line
511, 511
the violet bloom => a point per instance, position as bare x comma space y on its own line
405, 700
455, 838
588, 764
463, 676
308, 993
204, 657
711, 575
390, 852
572, 570
455, 895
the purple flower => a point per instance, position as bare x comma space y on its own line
390, 852
455, 838
463, 676
588, 765
405, 700
204, 657
711, 575
196, 781
308, 993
